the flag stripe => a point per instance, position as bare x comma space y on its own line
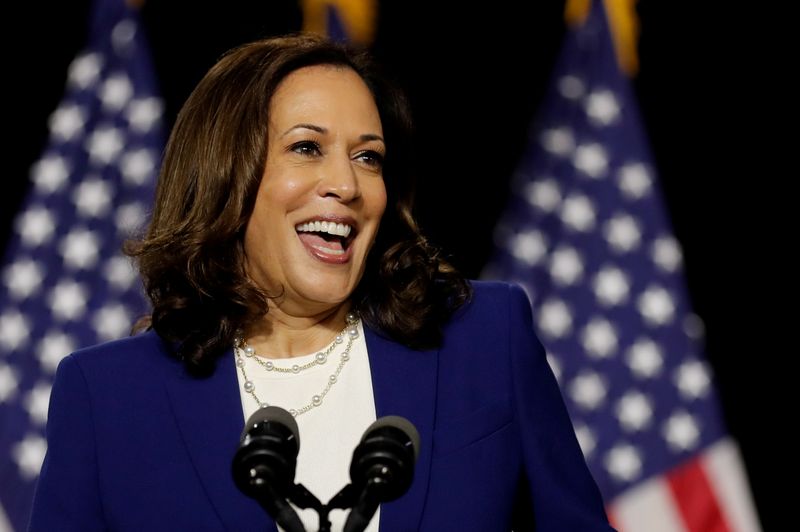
5, 526
723, 464
648, 507
695, 498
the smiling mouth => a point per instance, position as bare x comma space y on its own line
328, 238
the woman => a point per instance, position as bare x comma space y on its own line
285, 268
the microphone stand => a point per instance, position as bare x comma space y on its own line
302, 498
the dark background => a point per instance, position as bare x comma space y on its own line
475, 76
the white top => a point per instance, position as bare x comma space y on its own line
329, 432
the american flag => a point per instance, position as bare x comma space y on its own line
64, 283
586, 234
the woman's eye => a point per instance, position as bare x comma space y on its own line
306, 147
371, 158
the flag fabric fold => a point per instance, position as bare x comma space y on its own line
587, 236
64, 283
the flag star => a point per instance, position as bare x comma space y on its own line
645, 358
692, 379
656, 306
9, 381
681, 432
37, 401
555, 365
67, 121
611, 286
543, 195
588, 390
634, 411
50, 173
555, 319
92, 197
558, 141
53, 347
138, 167
35, 226
599, 338
23, 278
623, 462
122, 35
104, 144
602, 107
622, 233
112, 321
115, 92
80, 248
577, 212
68, 300
586, 439
693, 326
119, 272
85, 70
634, 180
566, 266
144, 113
29, 455
666, 253
129, 218
571, 87
14, 330
529, 247
591, 159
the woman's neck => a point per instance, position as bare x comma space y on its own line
280, 334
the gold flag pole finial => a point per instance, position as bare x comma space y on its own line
357, 16
624, 24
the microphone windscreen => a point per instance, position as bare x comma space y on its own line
272, 414
399, 423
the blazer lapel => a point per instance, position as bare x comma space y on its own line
404, 384
209, 414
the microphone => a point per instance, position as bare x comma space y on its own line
265, 463
382, 467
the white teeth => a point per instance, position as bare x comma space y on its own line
330, 251
324, 227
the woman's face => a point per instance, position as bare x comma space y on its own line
322, 194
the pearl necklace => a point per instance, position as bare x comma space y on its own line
319, 359
243, 350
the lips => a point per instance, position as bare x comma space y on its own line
328, 238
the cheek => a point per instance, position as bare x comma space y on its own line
282, 191
375, 196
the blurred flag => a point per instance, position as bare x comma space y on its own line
341, 20
64, 283
588, 237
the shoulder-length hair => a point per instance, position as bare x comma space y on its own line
192, 256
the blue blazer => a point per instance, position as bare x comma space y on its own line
135, 444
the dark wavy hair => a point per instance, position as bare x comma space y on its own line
192, 256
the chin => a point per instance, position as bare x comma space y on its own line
326, 290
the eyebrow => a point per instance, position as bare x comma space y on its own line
319, 129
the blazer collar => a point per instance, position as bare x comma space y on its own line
404, 384
209, 414
210, 418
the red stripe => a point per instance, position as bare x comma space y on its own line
612, 519
695, 499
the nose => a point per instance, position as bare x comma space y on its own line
339, 179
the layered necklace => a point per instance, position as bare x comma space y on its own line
243, 350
